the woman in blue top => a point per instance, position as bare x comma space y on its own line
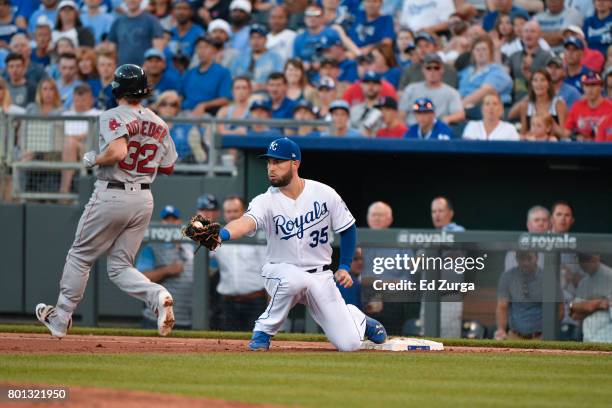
386, 64
483, 75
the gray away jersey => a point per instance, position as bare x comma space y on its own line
149, 144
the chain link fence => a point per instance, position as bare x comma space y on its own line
40, 156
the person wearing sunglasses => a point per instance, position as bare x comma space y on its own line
445, 98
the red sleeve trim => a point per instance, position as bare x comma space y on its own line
166, 170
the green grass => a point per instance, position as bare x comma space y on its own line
335, 379
551, 345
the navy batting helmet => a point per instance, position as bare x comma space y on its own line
130, 80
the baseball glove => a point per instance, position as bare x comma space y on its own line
203, 231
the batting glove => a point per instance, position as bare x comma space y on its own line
89, 159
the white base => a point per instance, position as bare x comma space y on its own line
403, 344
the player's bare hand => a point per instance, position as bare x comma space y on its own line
175, 268
343, 278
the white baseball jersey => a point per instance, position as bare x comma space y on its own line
298, 231
149, 144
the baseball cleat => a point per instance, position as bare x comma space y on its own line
165, 314
260, 341
375, 331
47, 315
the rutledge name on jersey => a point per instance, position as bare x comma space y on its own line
441, 285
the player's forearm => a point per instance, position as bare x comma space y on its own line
237, 228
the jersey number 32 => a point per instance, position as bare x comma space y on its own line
133, 160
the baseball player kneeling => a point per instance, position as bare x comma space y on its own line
299, 216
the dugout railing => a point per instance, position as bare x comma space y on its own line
552, 247
33, 147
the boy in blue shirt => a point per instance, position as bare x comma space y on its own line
427, 126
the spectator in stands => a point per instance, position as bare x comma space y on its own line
380, 215
41, 54
68, 79
588, 113
307, 44
519, 300
207, 87
327, 94
555, 18
87, 65
208, 207
424, 45
6, 102
21, 91
432, 16
392, 125
98, 20
491, 127
574, 51
241, 286
427, 126
280, 38
541, 129
281, 105
168, 105
8, 26
352, 295
334, 50
103, 90
48, 9
240, 17
542, 100
365, 116
47, 100
483, 77
500, 6
76, 132
261, 109
185, 33
257, 62
304, 111
385, 64
170, 264
21, 45
238, 109
340, 113
503, 36
213, 10
405, 47
592, 59
354, 93
160, 77
68, 24
560, 87
220, 31
597, 27
446, 99
530, 35
329, 68
371, 27
592, 302
130, 47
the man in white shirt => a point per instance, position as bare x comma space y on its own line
426, 15
241, 286
280, 38
76, 131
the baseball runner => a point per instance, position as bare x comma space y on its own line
299, 216
134, 146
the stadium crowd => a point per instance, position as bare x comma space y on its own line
415, 69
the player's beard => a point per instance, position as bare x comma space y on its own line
282, 181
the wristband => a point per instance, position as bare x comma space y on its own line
344, 266
224, 234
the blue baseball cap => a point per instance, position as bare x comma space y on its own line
422, 105
207, 202
575, 41
154, 53
170, 211
371, 76
305, 104
259, 29
339, 104
330, 39
283, 149
424, 35
264, 104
